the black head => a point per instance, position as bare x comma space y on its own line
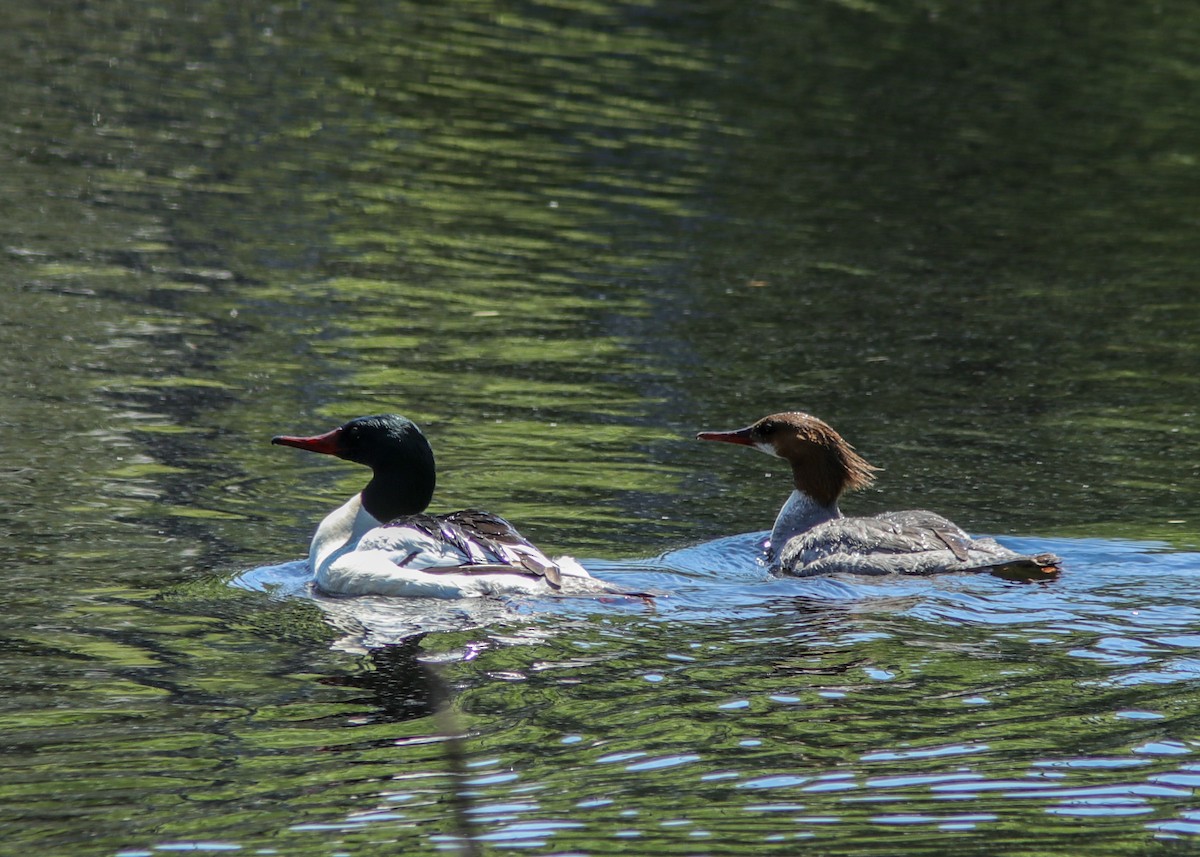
394, 448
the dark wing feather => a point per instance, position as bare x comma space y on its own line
427, 524
490, 531
487, 526
491, 544
956, 543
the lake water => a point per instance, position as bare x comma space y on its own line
563, 237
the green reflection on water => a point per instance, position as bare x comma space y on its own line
564, 237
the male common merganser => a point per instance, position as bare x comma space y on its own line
380, 542
811, 537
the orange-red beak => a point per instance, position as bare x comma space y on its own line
740, 437
329, 443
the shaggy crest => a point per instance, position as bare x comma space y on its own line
824, 465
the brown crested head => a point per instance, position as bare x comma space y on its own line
824, 465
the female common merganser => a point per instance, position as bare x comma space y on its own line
381, 542
810, 535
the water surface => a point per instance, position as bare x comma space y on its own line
563, 237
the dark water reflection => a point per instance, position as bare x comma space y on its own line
753, 713
563, 237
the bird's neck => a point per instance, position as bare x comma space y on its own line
389, 494
799, 514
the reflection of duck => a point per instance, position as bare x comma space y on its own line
810, 535
400, 685
380, 542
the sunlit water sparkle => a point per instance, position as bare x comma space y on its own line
950, 703
564, 236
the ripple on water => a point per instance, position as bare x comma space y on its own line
953, 704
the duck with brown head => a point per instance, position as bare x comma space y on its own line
811, 536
